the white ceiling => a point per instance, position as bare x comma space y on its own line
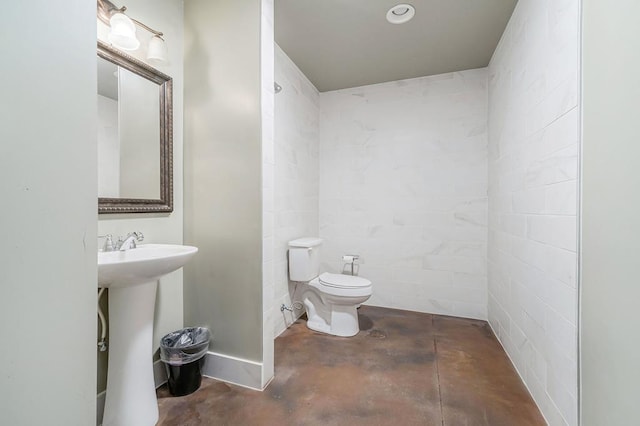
349, 43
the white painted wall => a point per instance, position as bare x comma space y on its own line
610, 227
48, 186
297, 134
224, 181
403, 183
533, 163
165, 16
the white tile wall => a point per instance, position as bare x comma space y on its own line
268, 190
533, 164
296, 175
403, 183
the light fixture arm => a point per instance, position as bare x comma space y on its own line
106, 9
146, 27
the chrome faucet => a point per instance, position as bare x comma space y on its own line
129, 242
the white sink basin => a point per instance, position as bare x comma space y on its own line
132, 279
147, 262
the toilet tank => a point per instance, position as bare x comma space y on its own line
304, 259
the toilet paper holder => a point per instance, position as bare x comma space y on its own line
351, 261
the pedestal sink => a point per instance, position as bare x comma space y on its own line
132, 279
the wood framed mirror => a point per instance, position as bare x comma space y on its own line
135, 135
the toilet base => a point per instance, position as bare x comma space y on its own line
335, 315
343, 323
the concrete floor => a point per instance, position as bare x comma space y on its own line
403, 368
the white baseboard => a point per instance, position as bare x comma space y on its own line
234, 370
159, 374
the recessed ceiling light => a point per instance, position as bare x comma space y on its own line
400, 13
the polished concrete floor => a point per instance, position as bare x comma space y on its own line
403, 368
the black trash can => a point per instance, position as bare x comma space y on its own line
182, 353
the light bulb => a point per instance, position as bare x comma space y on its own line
123, 32
157, 50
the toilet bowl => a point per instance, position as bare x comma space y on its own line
331, 300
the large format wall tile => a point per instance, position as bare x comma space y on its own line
403, 183
533, 171
296, 175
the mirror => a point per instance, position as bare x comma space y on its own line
135, 135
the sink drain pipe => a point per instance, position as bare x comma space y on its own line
102, 343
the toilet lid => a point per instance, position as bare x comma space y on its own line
343, 281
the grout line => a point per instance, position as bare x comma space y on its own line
435, 347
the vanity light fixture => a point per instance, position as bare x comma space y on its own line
400, 13
122, 33
157, 50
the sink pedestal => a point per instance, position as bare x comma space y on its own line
132, 279
131, 393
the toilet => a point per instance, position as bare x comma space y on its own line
331, 300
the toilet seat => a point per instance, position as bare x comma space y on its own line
343, 281
342, 285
